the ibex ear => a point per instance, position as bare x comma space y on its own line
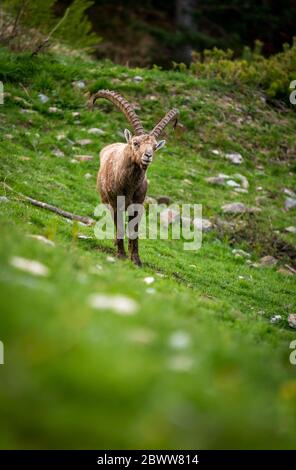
159, 145
127, 135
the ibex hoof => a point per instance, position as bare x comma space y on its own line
136, 260
121, 255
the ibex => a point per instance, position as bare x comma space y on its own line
123, 167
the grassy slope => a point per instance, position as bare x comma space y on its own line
75, 377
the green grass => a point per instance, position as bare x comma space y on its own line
75, 377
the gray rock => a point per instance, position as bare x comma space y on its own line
220, 179
243, 180
206, 224
238, 208
268, 261
232, 184
84, 142
238, 253
290, 229
4, 199
290, 203
292, 320
43, 98
138, 79
276, 319
58, 153
235, 158
79, 84
289, 192
96, 130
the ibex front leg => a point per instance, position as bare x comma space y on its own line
133, 232
119, 231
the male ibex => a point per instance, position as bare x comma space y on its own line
123, 166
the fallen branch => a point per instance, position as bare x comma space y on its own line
45, 42
50, 207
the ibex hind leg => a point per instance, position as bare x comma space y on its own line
119, 231
133, 246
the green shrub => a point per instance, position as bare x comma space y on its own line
26, 23
272, 74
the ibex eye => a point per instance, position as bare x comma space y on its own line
136, 144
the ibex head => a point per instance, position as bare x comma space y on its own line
142, 144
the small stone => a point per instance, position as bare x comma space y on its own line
24, 158
241, 190
88, 176
149, 280
216, 152
232, 184
61, 136
284, 271
290, 229
80, 84
43, 98
53, 109
117, 303
239, 208
220, 179
164, 200
96, 130
4, 199
84, 237
205, 224
289, 192
276, 319
187, 181
28, 111
290, 203
110, 259
83, 158
243, 180
268, 261
30, 266
240, 253
150, 200
138, 79
234, 208
292, 320
76, 114
235, 158
84, 142
8, 136
41, 239
58, 153
179, 340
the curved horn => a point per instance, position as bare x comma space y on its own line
123, 105
172, 115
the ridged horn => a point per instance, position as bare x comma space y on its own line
123, 105
160, 126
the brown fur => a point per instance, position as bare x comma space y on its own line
123, 166
123, 173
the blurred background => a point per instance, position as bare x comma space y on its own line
160, 31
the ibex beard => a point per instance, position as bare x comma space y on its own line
123, 167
